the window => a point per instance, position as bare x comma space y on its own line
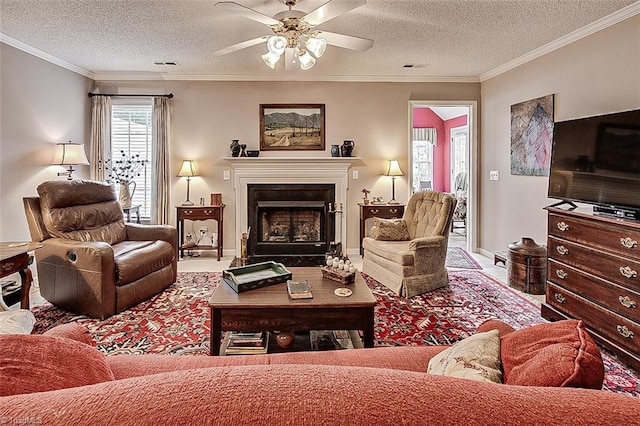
131, 126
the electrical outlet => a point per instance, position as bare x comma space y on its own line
355, 174
494, 175
226, 175
203, 230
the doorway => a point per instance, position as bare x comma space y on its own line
449, 151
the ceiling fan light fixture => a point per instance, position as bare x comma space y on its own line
271, 59
306, 60
317, 46
276, 44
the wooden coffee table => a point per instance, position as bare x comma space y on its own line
270, 308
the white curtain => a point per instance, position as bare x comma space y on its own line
100, 141
160, 191
425, 134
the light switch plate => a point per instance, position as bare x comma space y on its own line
226, 175
355, 174
494, 175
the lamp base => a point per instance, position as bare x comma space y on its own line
393, 202
188, 203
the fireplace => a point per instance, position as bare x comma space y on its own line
290, 223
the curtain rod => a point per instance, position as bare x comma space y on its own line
91, 94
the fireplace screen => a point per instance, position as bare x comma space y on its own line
295, 222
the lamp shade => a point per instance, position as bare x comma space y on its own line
188, 169
393, 169
317, 46
70, 154
306, 60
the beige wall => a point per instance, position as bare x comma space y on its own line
206, 116
596, 75
41, 104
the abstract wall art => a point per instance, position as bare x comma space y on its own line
531, 136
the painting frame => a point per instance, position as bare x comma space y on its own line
278, 127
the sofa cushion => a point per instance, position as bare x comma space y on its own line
73, 331
36, 363
555, 354
16, 321
390, 230
477, 358
396, 251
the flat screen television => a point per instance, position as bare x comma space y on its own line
596, 160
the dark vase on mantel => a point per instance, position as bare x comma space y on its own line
346, 149
235, 147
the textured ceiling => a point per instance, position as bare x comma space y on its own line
448, 40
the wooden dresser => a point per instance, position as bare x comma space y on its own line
594, 275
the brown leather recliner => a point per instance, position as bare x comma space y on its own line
91, 261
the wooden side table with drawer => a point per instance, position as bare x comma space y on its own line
383, 211
200, 213
594, 275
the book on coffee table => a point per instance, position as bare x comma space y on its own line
299, 289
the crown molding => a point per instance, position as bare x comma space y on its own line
601, 24
45, 56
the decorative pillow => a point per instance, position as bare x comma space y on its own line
37, 363
73, 331
16, 321
390, 230
556, 354
477, 358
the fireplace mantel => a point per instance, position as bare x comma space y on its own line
287, 170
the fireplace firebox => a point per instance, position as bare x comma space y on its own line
290, 223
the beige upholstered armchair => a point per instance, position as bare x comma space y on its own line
408, 255
91, 261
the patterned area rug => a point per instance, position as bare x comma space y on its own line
457, 257
177, 320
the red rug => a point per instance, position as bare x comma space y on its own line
177, 320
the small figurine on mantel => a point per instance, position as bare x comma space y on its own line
365, 199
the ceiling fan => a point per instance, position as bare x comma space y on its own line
295, 35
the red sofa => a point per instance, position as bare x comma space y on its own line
364, 386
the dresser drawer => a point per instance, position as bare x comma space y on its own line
619, 299
619, 270
199, 213
385, 212
619, 239
610, 325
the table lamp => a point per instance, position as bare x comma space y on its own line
69, 154
188, 170
393, 170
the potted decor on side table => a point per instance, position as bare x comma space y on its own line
124, 171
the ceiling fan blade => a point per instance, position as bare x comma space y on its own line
330, 10
239, 46
348, 42
241, 10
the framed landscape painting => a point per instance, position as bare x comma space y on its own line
292, 127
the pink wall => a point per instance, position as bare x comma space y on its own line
425, 117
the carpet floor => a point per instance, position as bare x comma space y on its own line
457, 257
176, 321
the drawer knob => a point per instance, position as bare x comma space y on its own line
560, 298
628, 242
562, 250
375, 211
628, 272
394, 211
562, 226
561, 274
8, 266
624, 331
626, 302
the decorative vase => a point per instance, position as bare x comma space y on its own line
235, 147
346, 150
126, 194
243, 148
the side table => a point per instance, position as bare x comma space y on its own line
200, 213
384, 211
14, 257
